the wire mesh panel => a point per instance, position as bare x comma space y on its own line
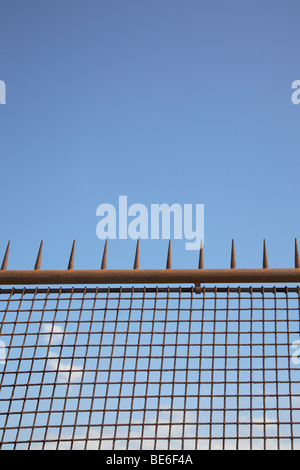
150, 368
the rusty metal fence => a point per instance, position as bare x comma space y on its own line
150, 368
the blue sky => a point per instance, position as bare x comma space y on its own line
164, 102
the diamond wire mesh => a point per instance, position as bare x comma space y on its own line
150, 368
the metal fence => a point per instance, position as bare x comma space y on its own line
150, 368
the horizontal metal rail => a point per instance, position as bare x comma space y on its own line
149, 276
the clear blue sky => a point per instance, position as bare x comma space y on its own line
162, 101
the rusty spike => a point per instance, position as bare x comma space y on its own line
233, 260
265, 257
201, 257
137, 256
39, 258
71, 261
5, 259
104, 257
169, 258
297, 259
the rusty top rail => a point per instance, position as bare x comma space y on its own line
149, 276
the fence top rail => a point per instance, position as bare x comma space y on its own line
151, 290
134, 276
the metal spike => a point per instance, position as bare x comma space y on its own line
5, 259
265, 257
104, 257
233, 260
72, 255
169, 258
39, 257
297, 259
137, 256
201, 257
